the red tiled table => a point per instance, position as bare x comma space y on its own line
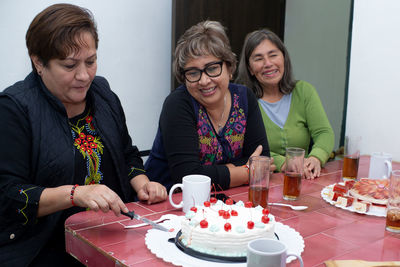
98, 239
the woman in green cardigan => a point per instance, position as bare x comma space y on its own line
292, 111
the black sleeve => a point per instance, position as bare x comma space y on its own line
19, 197
255, 132
181, 141
133, 159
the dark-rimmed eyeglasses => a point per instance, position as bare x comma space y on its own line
212, 69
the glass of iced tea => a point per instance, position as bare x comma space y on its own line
351, 157
393, 206
259, 167
294, 171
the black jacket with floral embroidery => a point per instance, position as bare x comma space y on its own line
37, 151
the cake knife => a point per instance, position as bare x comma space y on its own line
133, 215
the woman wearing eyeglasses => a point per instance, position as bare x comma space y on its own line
207, 125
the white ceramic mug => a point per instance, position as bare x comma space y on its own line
195, 190
269, 253
380, 165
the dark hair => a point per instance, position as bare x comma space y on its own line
55, 32
252, 40
205, 38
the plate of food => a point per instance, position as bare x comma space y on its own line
365, 196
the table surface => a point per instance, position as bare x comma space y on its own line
330, 233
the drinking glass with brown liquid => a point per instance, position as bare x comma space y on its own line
259, 167
351, 157
294, 170
393, 206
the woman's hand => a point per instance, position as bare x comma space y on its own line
312, 167
258, 152
98, 197
283, 168
240, 175
272, 166
152, 192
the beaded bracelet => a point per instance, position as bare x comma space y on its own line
72, 194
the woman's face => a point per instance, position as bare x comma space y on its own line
266, 63
69, 79
208, 91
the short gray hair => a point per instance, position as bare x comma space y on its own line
205, 38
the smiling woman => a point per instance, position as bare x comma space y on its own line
65, 143
207, 125
291, 110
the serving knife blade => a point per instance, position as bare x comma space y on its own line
133, 215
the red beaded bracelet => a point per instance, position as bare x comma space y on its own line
72, 194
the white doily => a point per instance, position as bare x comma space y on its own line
157, 243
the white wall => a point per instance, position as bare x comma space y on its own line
316, 34
373, 107
134, 53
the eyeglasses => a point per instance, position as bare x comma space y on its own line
213, 69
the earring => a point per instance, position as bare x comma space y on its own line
40, 73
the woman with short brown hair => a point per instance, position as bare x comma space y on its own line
64, 143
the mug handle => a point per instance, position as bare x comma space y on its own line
389, 169
298, 257
171, 191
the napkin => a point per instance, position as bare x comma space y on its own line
360, 263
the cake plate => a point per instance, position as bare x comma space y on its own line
157, 242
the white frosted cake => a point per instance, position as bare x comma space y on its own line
224, 230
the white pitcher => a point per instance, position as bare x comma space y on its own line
380, 166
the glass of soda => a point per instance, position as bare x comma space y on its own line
259, 169
294, 171
393, 206
351, 157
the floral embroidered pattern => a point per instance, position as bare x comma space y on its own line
229, 143
88, 143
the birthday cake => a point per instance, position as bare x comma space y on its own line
224, 229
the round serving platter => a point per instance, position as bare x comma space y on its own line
373, 210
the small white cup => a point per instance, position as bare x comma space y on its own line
195, 190
268, 253
380, 165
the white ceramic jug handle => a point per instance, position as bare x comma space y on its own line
389, 169
298, 257
171, 191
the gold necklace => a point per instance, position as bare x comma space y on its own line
219, 124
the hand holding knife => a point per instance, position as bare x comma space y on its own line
133, 215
